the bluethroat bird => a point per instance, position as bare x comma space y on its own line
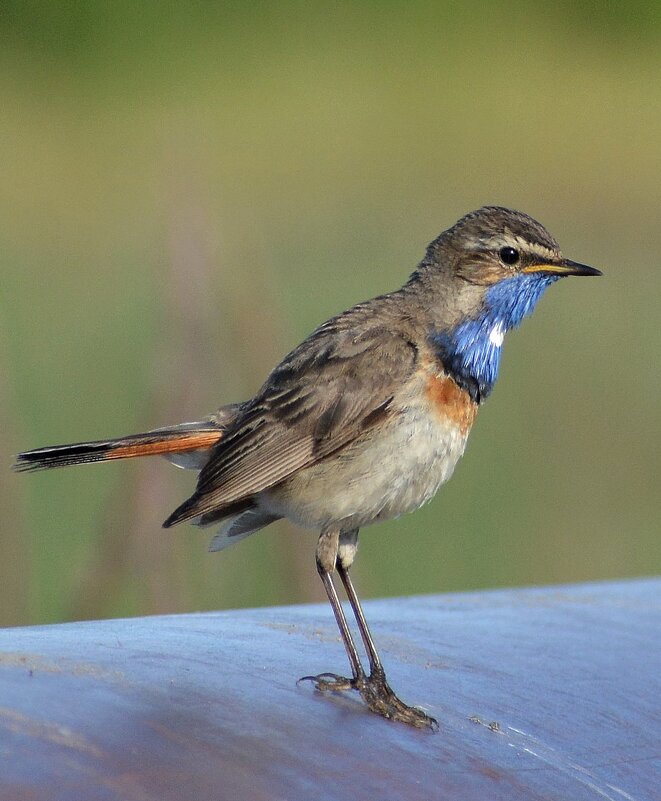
364, 420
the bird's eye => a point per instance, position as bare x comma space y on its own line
509, 255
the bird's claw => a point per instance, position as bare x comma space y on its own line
330, 682
377, 695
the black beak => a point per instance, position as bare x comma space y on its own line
565, 267
574, 268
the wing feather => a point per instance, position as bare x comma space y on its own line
327, 392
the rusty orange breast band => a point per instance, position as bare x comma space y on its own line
450, 400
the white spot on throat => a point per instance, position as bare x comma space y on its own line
497, 335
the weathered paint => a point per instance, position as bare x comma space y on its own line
540, 694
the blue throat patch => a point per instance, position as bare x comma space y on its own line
470, 353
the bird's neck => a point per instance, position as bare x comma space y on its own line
470, 351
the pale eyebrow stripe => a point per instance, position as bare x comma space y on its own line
500, 240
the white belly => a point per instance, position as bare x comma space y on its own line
378, 477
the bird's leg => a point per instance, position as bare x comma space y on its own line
327, 549
374, 689
346, 555
336, 550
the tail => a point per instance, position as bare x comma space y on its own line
185, 445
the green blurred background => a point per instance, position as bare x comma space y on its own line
188, 189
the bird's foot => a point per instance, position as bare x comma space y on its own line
329, 682
377, 695
381, 698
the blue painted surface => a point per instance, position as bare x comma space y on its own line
540, 694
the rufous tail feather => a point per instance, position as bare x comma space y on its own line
164, 441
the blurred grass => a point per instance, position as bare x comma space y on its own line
188, 192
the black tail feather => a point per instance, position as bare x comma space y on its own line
177, 439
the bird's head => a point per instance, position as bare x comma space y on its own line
489, 271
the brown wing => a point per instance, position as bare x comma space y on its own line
327, 392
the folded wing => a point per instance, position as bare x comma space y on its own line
327, 392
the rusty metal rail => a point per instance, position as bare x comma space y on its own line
550, 694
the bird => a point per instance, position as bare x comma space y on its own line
363, 421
